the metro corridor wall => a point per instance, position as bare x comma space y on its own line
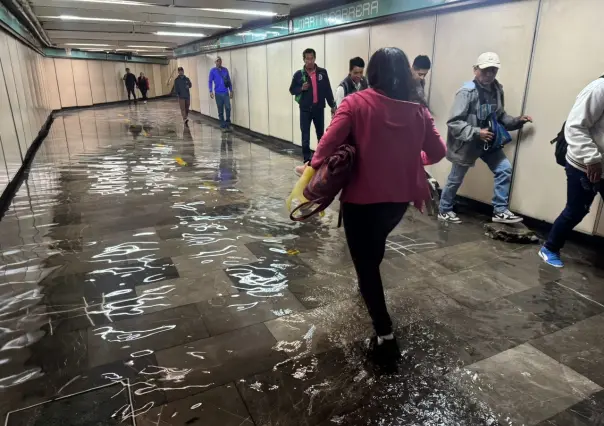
31, 86
547, 82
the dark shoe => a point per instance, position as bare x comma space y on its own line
384, 356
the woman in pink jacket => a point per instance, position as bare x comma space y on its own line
394, 135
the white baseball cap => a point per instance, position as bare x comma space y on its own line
487, 60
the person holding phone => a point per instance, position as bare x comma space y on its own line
311, 88
221, 89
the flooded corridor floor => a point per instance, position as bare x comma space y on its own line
150, 276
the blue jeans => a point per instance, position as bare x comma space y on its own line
314, 114
580, 194
223, 102
501, 168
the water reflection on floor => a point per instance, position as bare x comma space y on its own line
150, 276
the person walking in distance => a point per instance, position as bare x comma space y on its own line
477, 129
182, 86
143, 86
393, 133
354, 82
584, 135
130, 81
311, 88
221, 89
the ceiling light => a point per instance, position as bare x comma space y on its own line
85, 18
87, 44
169, 33
150, 47
241, 11
163, 56
124, 2
130, 50
192, 24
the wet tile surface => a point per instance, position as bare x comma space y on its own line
163, 263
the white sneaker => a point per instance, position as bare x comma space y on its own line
506, 217
450, 217
145, 102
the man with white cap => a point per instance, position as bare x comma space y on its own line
478, 129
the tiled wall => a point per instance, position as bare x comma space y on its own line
548, 55
31, 86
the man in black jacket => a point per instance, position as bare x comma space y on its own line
311, 87
130, 81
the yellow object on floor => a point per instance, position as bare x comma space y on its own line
180, 161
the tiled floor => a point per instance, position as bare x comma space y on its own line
150, 275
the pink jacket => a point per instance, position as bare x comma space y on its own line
394, 139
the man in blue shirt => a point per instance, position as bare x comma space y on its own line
221, 89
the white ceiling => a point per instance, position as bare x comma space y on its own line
119, 24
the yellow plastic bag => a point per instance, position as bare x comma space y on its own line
297, 197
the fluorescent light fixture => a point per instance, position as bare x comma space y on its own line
85, 18
163, 56
123, 2
241, 11
130, 50
170, 33
248, 33
87, 44
192, 25
149, 47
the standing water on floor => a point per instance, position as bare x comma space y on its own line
150, 275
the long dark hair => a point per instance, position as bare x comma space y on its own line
389, 72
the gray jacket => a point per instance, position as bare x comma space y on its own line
464, 146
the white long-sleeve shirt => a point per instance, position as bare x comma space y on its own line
584, 131
340, 94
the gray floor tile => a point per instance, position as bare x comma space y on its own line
524, 385
580, 346
220, 406
556, 304
223, 314
218, 360
183, 291
144, 334
472, 288
495, 327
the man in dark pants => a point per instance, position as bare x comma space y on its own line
130, 81
219, 83
182, 86
311, 87
584, 134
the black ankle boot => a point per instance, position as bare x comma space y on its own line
384, 356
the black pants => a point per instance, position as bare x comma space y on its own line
316, 115
367, 226
130, 90
580, 194
144, 93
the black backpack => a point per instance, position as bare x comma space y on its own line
561, 147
